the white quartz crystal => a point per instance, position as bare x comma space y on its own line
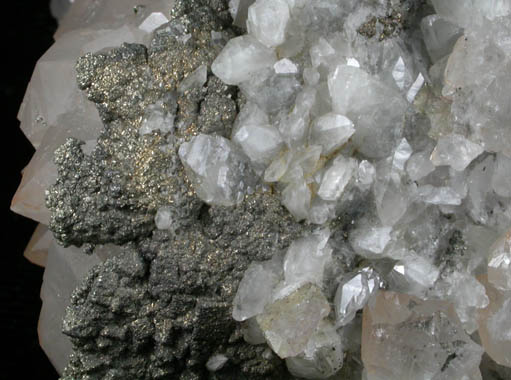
267, 21
195, 79
370, 241
255, 290
163, 218
260, 140
297, 199
220, 172
285, 66
331, 131
306, 259
241, 58
456, 151
439, 195
337, 177
216, 362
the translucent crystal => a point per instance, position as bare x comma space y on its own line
501, 180
306, 259
401, 155
337, 177
322, 357
285, 66
153, 21
163, 218
439, 195
37, 248
456, 151
289, 323
196, 79
65, 268
220, 172
395, 331
352, 295
296, 197
370, 241
156, 118
241, 58
419, 165
440, 36
366, 173
255, 290
267, 21
499, 263
375, 109
216, 362
260, 141
271, 91
331, 131
493, 322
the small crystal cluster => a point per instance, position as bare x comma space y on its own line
380, 128
330, 117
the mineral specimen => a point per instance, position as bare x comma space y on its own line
273, 189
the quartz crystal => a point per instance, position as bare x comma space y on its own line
290, 322
219, 170
255, 290
499, 263
241, 58
455, 151
267, 21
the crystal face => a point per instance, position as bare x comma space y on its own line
273, 189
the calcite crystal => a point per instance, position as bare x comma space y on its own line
273, 189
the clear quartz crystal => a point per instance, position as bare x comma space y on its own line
353, 293
255, 289
221, 173
455, 151
331, 131
267, 21
337, 177
241, 58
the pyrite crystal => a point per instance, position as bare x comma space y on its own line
273, 189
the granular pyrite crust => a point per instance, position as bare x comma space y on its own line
163, 307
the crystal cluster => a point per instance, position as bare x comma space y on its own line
380, 129
420, 138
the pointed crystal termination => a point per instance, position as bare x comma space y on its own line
220, 172
241, 58
396, 330
267, 21
65, 268
290, 322
255, 289
353, 294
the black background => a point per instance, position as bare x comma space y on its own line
27, 33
